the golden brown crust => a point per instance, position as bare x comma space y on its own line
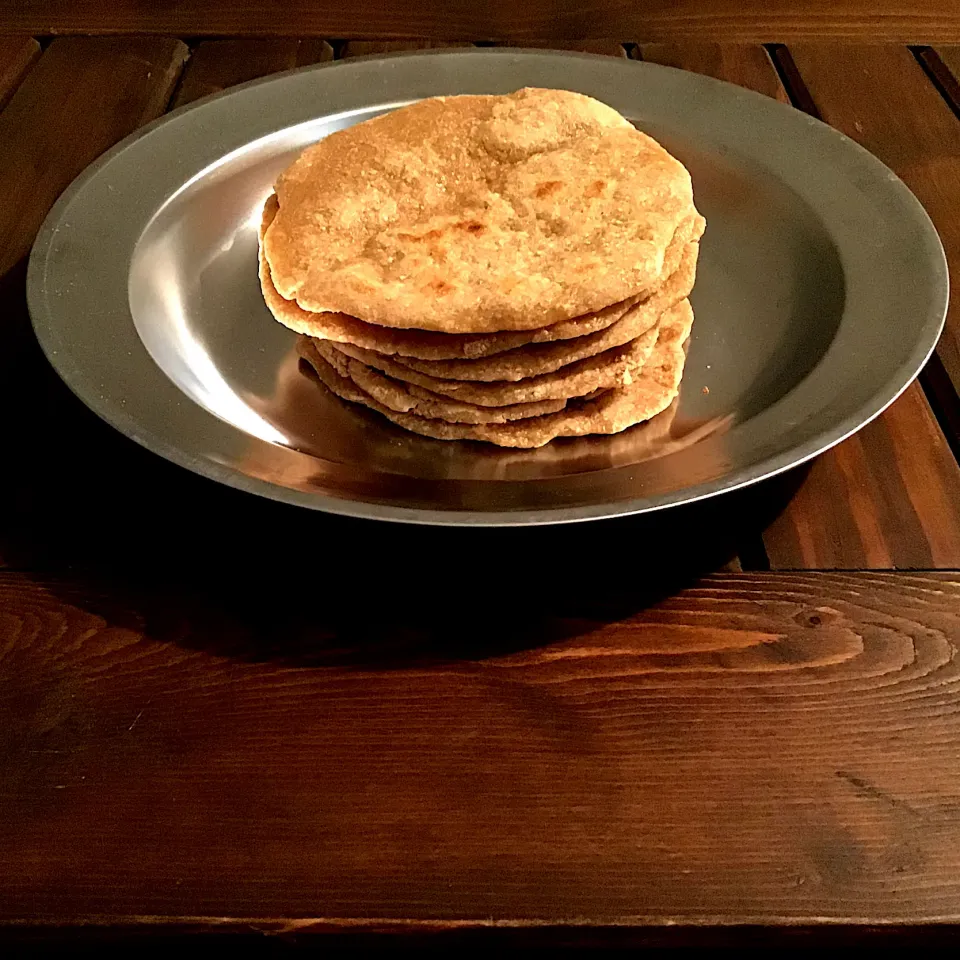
430, 345
478, 214
537, 359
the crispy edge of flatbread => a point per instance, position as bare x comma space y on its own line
431, 345
536, 360
611, 412
613, 368
407, 398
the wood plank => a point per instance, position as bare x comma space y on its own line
748, 65
17, 55
104, 87
369, 48
906, 21
887, 497
218, 64
881, 97
220, 752
609, 48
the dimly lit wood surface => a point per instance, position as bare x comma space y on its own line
906, 21
218, 715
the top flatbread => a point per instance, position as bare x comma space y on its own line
430, 345
478, 214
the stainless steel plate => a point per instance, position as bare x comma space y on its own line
822, 290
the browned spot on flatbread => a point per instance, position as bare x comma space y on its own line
439, 287
546, 188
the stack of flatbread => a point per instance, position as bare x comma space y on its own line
501, 268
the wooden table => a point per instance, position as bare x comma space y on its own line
740, 721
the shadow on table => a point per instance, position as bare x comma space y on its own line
119, 531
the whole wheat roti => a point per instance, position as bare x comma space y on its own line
613, 368
409, 398
478, 214
429, 345
611, 412
534, 360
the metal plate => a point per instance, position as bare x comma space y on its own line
822, 290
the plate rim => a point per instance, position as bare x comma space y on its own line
45, 328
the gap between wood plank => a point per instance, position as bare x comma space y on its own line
942, 66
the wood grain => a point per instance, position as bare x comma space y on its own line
908, 21
103, 87
218, 64
881, 97
17, 55
889, 496
756, 748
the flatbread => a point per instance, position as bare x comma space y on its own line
429, 345
534, 360
408, 398
613, 368
611, 412
478, 214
